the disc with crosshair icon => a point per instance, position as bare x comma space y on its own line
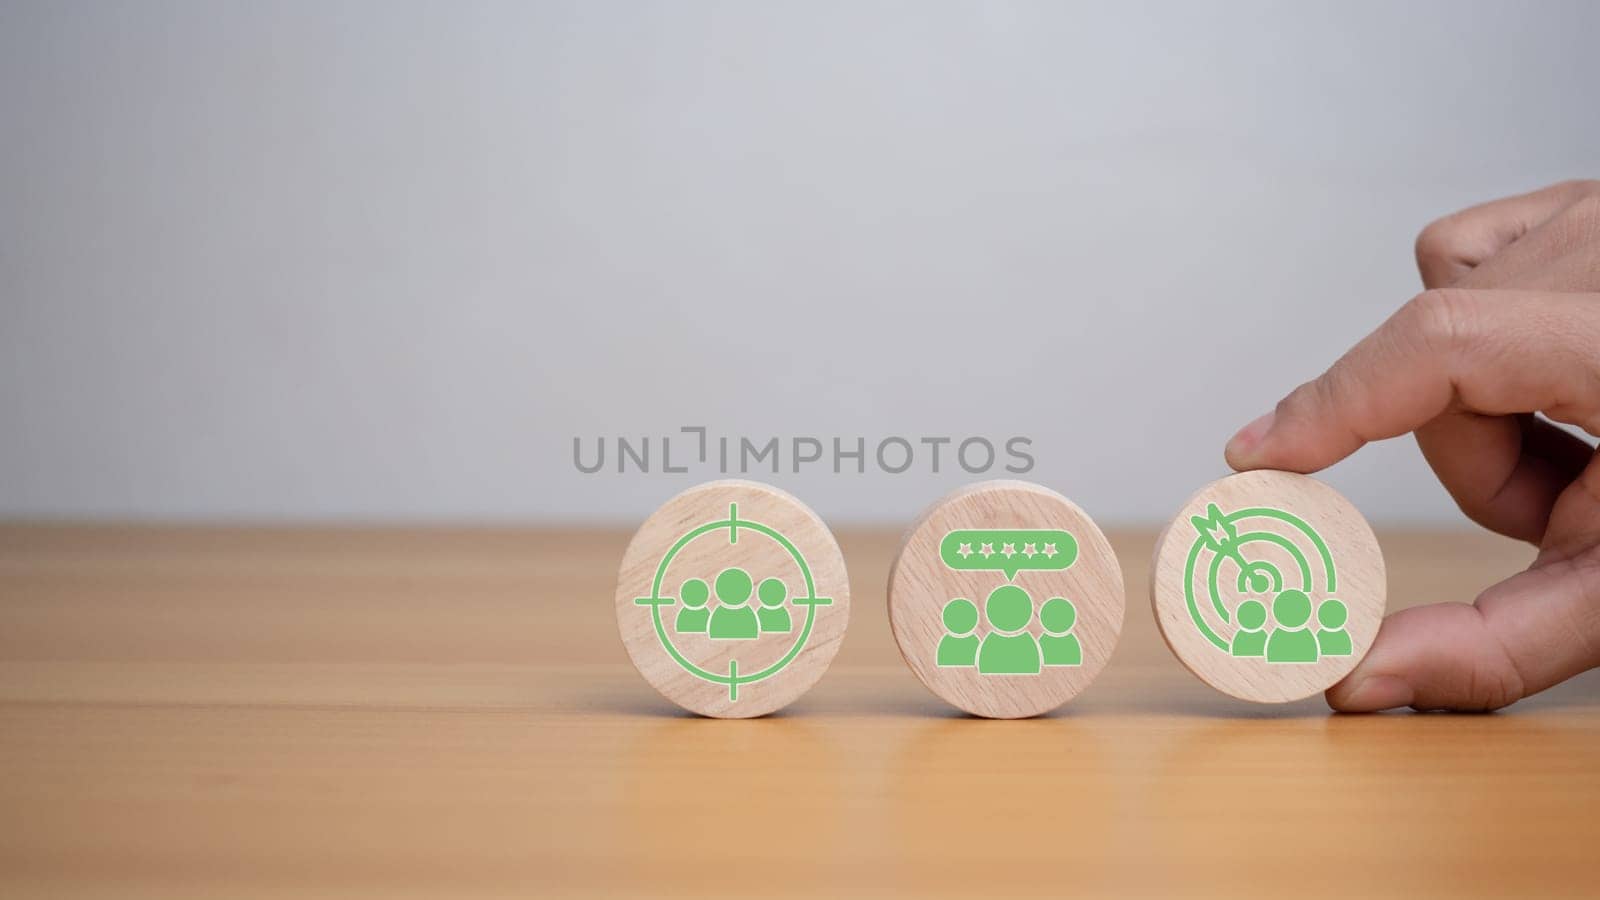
732, 599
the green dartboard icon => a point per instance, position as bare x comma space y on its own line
733, 620
1253, 607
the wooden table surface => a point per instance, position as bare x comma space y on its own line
198, 712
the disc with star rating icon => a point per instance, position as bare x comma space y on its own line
1268, 586
1005, 599
732, 599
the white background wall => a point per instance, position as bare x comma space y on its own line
385, 260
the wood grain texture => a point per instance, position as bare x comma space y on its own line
390, 713
921, 584
764, 533
1358, 577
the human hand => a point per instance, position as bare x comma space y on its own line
1509, 325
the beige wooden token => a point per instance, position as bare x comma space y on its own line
1006, 600
1268, 586
732, 599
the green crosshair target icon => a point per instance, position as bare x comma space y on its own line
735, 528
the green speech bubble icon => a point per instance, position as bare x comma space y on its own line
1008, 550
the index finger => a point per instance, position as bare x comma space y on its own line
1495, 352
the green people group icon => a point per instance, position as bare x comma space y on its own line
1008, 647
1283, 633
733, 617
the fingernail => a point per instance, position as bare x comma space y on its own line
1378, 692
1242, 444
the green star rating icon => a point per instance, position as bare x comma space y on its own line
733, 619
1020, 549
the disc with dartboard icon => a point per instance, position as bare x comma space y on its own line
732, 599
1269, 586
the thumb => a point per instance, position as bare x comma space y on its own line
1523, 635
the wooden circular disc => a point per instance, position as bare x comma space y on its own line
1280, 553
1006, 600
732, 599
